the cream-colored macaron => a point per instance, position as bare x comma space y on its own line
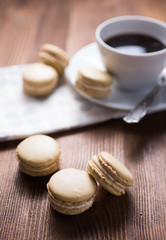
71, 191
38, 155
93, 82
110, 173
39, 79
54, 56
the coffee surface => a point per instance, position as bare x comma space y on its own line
135, 43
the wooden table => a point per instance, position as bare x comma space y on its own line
25, 212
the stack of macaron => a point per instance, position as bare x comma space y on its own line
41, 78
71, 191
93, 82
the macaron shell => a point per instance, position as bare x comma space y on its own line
39, 90
52, 61
92, 93
72, 185
94, 76
115, 168
38, 151
39, 74
103, 180
57, 52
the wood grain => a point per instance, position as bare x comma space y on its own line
25, 212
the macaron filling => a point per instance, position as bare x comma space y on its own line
95, 88
70, 206
37, 169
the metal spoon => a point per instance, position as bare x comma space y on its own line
135, 115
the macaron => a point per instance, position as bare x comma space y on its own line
39, 79
54, 56
71, 191
93, 82
110, 173
38, 155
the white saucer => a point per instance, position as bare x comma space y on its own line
118, 99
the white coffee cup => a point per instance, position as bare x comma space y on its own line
132, 71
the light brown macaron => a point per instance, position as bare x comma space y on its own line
54, 56
110, 173
93, 82
39, 79
38, 155
71, 191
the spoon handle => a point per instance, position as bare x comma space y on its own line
135, 115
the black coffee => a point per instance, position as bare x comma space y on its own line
135, 43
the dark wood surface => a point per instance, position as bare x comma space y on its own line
25, 212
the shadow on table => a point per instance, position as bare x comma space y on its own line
145, 136
105, 219
31, 186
